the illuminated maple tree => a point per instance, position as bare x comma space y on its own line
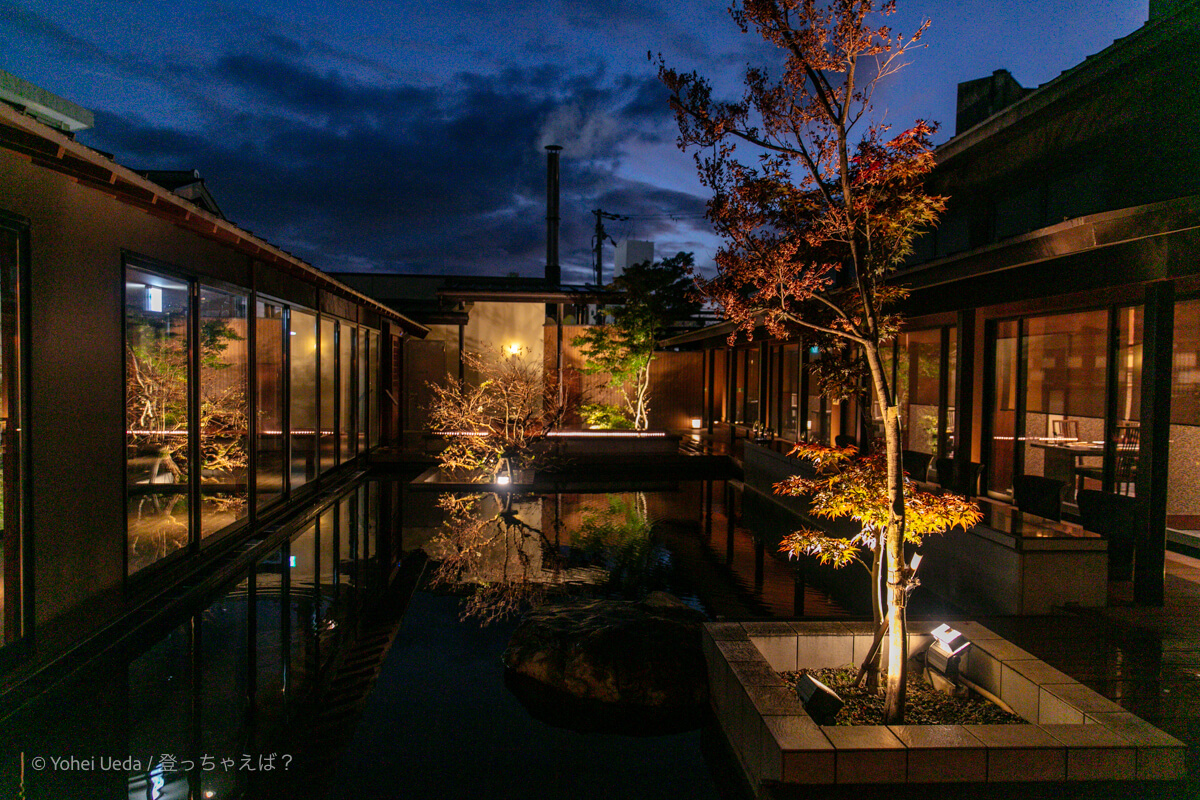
817, 216
846, 485
505, 413
654, 295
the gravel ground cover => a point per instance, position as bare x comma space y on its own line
926, 705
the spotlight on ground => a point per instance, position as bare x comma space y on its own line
821, 702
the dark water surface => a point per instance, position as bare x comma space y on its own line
216, 701
441, 723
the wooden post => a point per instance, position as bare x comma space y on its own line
1158, 345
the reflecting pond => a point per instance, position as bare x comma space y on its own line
212, 703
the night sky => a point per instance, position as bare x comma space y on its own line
407, 136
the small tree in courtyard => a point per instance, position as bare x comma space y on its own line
506, 413
656, 294
849, 486
819, 217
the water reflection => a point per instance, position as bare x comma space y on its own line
516, 550
195, 713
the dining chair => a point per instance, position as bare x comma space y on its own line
916, 464
1115, 517
1125, 465
1065, 430
947, 479
1034, 494
1125, 470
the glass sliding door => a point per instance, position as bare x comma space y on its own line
11, 545
158, 383
1066, 361
738, 395
328, 436
224, 410
270, 382
1065, 400
918, 385
1126, 433
361, 413
347, 345
1183, 469
951, 388
753, 413
720, 374
1003, 422
302, 365
816, 424
373, 391
789, 397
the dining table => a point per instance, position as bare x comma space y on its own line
1062, 458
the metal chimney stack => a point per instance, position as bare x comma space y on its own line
553, 271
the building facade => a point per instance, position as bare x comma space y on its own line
1053, 325
171, 385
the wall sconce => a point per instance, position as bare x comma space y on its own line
947, 651
821, 702
696, 423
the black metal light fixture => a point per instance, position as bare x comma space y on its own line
821, 702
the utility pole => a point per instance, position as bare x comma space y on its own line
598, 241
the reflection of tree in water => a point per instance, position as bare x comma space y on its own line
619, 539
490, 544
509, 563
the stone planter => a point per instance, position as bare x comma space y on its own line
584, 446
1072, 733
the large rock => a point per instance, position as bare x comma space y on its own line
634, 655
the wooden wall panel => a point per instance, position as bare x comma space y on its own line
676, 382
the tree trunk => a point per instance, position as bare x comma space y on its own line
878, 610
642, 421
897, 593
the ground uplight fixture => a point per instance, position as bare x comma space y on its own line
821, 702
947, 651
503, 473
696, 423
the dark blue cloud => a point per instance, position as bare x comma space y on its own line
354, 175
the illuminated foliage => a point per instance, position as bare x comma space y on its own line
848, 486
506, 413
656, 294
817, 215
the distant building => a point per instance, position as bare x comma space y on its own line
186, 183
629, 252
474, 313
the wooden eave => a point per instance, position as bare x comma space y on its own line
49, 149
